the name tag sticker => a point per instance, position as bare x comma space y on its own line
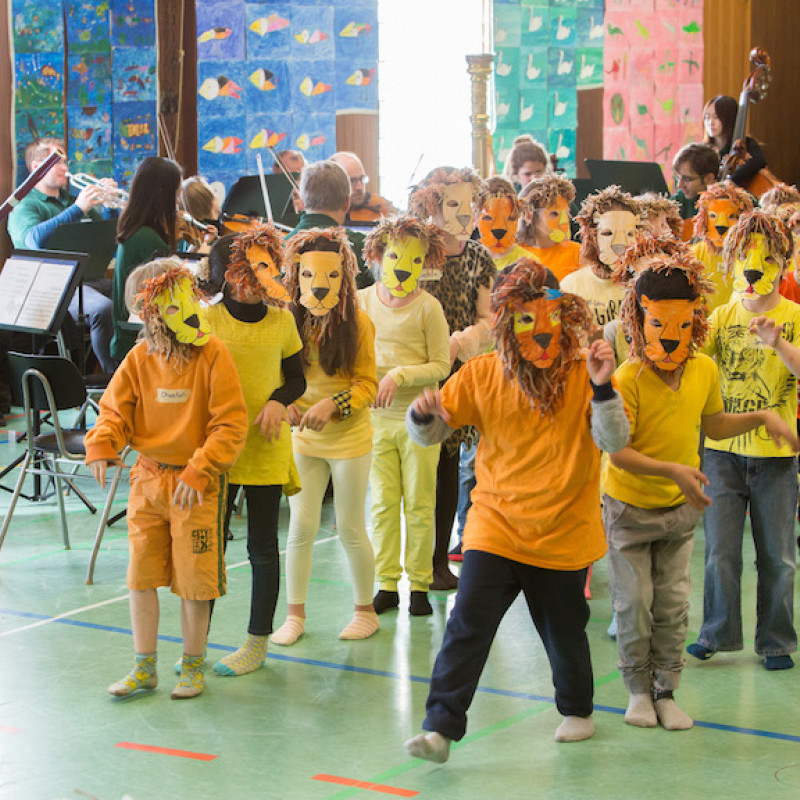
173, 395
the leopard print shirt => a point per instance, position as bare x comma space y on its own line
457, 291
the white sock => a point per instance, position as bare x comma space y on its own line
641, 711
430, 746
671, 717
575, 729
290, 631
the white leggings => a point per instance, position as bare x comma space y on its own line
350, 477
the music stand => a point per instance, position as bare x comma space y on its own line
636, 177
96, 238
36, 287
245, 198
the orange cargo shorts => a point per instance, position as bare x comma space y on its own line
171, 546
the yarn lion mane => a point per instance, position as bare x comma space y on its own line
612, 198
321, 328
519, 283
405, 227
160, 339
726, 190
771, 227
240, 275
426, 197
632, 314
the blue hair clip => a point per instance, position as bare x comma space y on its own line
552, 294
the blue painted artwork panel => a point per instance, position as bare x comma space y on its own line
221, 88
37, 26
220, 31
133, 23
88, 26
89, 134
135, 129
533, 68
268, 86
133, 73
506, 65
39, 79
89, 79
562, 108
314, 135
312, 34
264, 131
535, 26
34, 123
355, 28
268, 30
561, 66
561, 143
312, 85
100, 168
590, 29
356, 85
221, 145
125, 166
563, 22
507, 26
533, 109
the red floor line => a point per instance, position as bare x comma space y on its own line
374, 787
165, 751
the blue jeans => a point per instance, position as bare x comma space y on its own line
487, 586
97, 308
466, 483
769, 487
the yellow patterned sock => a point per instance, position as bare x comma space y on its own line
363, 625
142, 676
249, 657
191, 682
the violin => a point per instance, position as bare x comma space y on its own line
754, 89
192, 231
243, 223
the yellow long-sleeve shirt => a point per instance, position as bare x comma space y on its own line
344, 436
195, 417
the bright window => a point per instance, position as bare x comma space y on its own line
424, 88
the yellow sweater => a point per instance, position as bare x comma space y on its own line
349, 436
195, 417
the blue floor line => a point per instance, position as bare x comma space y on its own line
312, 662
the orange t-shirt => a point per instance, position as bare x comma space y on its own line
538, 478
789, 288
560, 259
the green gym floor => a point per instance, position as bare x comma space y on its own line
327, 719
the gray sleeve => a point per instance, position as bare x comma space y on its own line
610, 427
428, 433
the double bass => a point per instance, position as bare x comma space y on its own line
754, 89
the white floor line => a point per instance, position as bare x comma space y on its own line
118, 599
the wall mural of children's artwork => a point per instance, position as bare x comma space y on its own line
133, 23
88, 25
220, 30
88, 79
135, 129
653, 99
133, 72
89, 134
294, 65
34, 123
37, 26
545, 50
39, 80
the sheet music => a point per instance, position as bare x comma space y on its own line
45, 296
15, 283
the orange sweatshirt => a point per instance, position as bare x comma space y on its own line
194, 418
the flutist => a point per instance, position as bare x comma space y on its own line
37, 216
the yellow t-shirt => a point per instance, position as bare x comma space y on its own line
349, 436
538, 478
602, 294
258, 349
715, 272
752, 375
665, 425
516, 252
561, 259
412, 346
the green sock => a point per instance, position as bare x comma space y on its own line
142, 676
191, 682
248, 658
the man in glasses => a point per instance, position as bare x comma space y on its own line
695, 168
364, 206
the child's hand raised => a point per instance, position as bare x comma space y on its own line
429, 403
186, 497
767, 330
600, 361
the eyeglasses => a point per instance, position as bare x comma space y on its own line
685, 179
362, 179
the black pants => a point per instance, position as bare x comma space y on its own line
446, 506
263, 505
487, 587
